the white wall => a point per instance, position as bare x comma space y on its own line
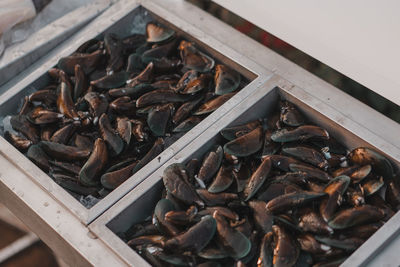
359, 38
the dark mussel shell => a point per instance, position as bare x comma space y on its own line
247, 144
47, 97
134, 91
213, 251
335, 190
192, 167
76, 187
360, 173
393, 195
309, 244
98, 104
64, 152
27, 105
262, 217
377, 201
311, 221
89, 174
266, 252
213, 104
185, 110
158, 118
381, 164
311, 171
355, 172
65, 104
19, 142
113, 80
373, 185
158, 51
157, 148
134, 63
160, 96
270, 147
114, 141
157, 240
300, 133
257, 178
187, 77
64, 134
181, 217
39, 157
123, 105
234, 132
83, 142
223, 211
290, 115
187, 124
41, 116
285, 163
114, 49
138, 130
286, 251
197, 85
196, 238
236, 243
146, 76
47, 131
175, 181
222, 181
156, 33
249, 194
355, 216
243, 202
112, 180
81, 83
307, 154
88, 62
193, 59
124, 129
290, 200
132, 42
163, 207
355, 196
349, 243
71, 168
211, 164
217, 199
21, 124
226, 80
273, 189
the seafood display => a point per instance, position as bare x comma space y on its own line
115, 104
277, 191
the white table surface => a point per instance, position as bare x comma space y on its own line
359, 38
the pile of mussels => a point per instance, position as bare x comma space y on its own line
278, 192
115, 104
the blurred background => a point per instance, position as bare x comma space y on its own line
307, 62
18, 246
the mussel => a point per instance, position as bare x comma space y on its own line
290, 206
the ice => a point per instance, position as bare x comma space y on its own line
138, 24
5, 125
89, 201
